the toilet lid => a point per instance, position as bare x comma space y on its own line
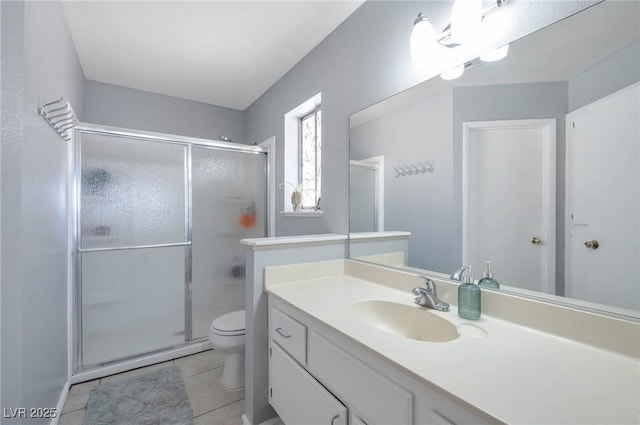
230, 322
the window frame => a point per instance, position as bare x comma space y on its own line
317, 110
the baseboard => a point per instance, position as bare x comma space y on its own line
63, 398
272, 421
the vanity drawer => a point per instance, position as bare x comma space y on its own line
289, 334
379, 400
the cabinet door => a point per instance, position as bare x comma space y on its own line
298, 397
377, 399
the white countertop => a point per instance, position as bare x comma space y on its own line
517, 375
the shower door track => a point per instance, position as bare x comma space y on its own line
168, 138
188, 142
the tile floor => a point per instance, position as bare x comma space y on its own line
210, 402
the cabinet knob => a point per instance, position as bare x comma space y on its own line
592, 244
536, 240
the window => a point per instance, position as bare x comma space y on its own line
302, 183
310, 148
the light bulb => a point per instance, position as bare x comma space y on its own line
422, 42
454, 73
495, 54
466, 17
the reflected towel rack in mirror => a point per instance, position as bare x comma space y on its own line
412, 169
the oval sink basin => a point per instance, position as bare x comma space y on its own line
410, 322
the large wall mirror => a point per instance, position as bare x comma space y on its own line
531, 163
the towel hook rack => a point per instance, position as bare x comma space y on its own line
413, 169
60, 117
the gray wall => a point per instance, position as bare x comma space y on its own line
365, 60
34, 203
118, 106
619, 70
351, 75
12, 34
419, 203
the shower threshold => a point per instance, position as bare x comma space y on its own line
123, 365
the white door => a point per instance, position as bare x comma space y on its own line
603, 200
509, 201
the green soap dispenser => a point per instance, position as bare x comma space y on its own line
488, 281
469, 298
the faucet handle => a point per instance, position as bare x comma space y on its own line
420, 297
430, 284
457, 275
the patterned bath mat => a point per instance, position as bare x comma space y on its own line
155, 398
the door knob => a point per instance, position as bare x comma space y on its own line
536, 240
594, 244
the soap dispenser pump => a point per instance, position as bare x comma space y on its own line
488, 281
469, 298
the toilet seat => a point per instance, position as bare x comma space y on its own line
229, 324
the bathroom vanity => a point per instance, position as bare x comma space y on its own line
348, 345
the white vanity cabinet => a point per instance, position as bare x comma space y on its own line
297, 396
319, 376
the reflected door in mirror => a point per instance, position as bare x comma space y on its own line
603, 194
509, 200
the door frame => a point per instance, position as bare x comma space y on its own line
377, 163
548, 126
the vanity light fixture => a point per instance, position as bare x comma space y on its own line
423, 41
466, 17
495, 54
457, 72
453, 73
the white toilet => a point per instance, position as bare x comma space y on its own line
226, 335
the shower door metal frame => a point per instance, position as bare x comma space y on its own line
76, 207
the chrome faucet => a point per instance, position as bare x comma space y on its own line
457, 275
427, 296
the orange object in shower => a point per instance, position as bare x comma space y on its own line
247, 220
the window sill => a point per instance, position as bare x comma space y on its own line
301, 213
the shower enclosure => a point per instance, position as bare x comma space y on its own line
158, 224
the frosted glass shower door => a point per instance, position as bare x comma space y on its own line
133, 246
228, 204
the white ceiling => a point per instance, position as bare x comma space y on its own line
225, 53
